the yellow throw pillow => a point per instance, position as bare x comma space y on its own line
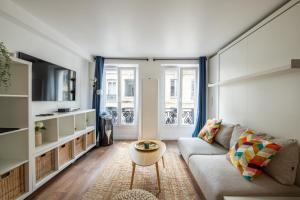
210, 130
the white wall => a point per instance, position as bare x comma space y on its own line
150, 69
212, 92
19, 36
270, 103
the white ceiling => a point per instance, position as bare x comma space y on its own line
151, 28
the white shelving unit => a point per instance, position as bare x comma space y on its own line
17, 144
294, 65
15, 106
62, 129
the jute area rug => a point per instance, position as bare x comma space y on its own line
176, 184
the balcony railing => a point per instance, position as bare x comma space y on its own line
114, 114
171, 116
188, 116
127, 115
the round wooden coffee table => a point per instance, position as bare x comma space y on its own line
146, 158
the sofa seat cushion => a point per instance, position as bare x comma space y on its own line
196, 146
217, 178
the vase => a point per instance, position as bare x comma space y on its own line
38, 138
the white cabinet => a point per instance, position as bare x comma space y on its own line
213, 69
67, 137
212, 102
233, 62
271, 46
15, 134
212, 93
275, 44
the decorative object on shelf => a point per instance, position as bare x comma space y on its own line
39, 126
4, 66
146, 145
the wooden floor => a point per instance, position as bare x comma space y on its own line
75, 180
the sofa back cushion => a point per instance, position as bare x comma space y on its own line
236, 133
224, 135
251, 153
283, 167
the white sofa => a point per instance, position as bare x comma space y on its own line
216, 176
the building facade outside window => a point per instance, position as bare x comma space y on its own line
120, 94
179, 102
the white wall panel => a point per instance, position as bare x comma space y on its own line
271, 103
275, 44
213, 69
212, 93
233, 62
212, 102
233, 104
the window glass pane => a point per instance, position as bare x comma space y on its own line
188, 96
111, 93
127, 96
171, 98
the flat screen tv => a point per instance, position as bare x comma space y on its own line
51, 82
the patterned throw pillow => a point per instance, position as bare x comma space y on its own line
210, 130
251, 153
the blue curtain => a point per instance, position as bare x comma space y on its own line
201, 111
97, 94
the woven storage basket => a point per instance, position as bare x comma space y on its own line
79, 145
90, 138
65, 153
12, 183
44, 164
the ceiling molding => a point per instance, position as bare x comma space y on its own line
17, 15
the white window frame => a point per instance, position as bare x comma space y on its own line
179, 69
119, 68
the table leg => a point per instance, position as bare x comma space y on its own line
163, 161
158, 178
132, 175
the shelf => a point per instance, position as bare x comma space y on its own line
14, 95
295, 64
47, 146
7, 165
51, 145
80, 154
14, 131
62, 167
90, 147
79, 133
46, 178
19, 80
90, 128
59, 115
65, 139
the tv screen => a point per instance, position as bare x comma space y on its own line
51, 82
